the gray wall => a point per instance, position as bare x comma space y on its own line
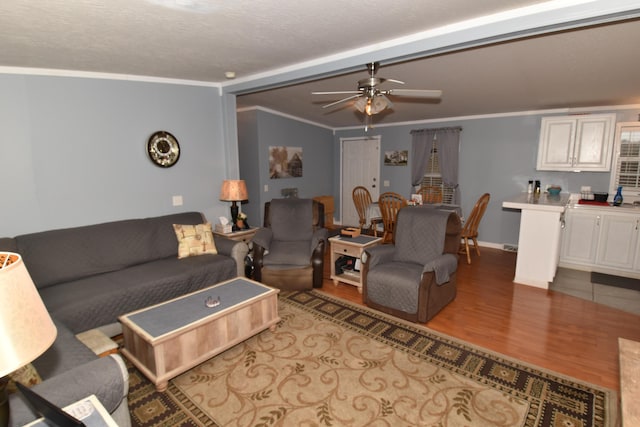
257, 131
72, 151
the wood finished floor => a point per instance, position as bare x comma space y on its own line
559, 332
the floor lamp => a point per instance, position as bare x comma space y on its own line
234, 190
26, 329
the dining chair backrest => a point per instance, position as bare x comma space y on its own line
430, 194
362, 200
390, 203
471, 224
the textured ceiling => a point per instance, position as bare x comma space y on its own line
257, 38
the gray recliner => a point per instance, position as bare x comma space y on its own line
288, 253
416, 277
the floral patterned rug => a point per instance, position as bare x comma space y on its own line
332, 363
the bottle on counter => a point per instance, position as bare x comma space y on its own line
530, 187
537, 187
617, 199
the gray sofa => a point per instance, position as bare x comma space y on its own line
88, 276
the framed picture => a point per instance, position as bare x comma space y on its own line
396, 158
285, 162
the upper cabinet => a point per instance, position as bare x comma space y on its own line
576, 143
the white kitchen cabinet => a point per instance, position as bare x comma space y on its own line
580, 237
576, 143
617, 241
606, 240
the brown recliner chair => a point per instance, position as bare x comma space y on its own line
415, 277
288, 253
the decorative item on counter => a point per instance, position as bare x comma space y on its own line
212, 302
554, 190
537, 187
530, 187
617, 199
600, 197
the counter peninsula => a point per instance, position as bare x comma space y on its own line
541, 222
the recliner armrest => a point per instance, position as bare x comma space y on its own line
263, 238
319, 235
106, 377
443, 266
378, 255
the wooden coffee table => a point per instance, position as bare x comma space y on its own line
170, 338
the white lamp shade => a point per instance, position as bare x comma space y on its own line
26, 329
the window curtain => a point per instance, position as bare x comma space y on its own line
448, 146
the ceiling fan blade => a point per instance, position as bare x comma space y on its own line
400, 82
342, 100
415, 93
338, 92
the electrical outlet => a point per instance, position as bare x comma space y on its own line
386, 183
177, 200
266, 188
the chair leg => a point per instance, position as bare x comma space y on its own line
475, 244
467, 250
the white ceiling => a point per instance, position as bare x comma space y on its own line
274, 43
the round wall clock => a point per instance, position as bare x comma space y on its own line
163, 149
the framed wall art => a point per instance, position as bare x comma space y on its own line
285, 162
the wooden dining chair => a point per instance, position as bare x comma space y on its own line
470, 229
431, 194
390, 203
362, 200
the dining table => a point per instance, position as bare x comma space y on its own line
374, 216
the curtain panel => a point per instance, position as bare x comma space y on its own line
448, 146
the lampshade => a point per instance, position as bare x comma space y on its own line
371, 105
26, 329
233, 190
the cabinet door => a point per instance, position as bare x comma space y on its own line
557, 138
580, 237
618, 238
593, 143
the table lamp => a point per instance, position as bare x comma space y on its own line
26, 329
234, 190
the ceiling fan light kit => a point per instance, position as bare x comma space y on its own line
370, 100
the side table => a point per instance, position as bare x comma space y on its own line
239, 236
353, 247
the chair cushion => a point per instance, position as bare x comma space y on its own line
291, 219
395, 285
291, 253
194, 240
422, 247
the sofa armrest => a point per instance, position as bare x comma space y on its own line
234, 249
443, 267
106, 377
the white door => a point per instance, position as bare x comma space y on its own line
360, 165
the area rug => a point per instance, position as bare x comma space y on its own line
332, 363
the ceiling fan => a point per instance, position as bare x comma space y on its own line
372, 100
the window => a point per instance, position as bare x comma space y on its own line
433, 176
627, 161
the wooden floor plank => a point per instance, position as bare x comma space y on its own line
550, 329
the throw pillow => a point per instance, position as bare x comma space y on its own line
27, 375
194, 240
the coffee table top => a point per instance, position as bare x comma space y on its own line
174, 314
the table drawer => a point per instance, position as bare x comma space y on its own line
346, 250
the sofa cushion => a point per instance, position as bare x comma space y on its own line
194, 240
63, 255
94, 301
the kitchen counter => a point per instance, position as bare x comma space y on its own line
539, 239
543, 202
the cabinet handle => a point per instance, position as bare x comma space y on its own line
598, 220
